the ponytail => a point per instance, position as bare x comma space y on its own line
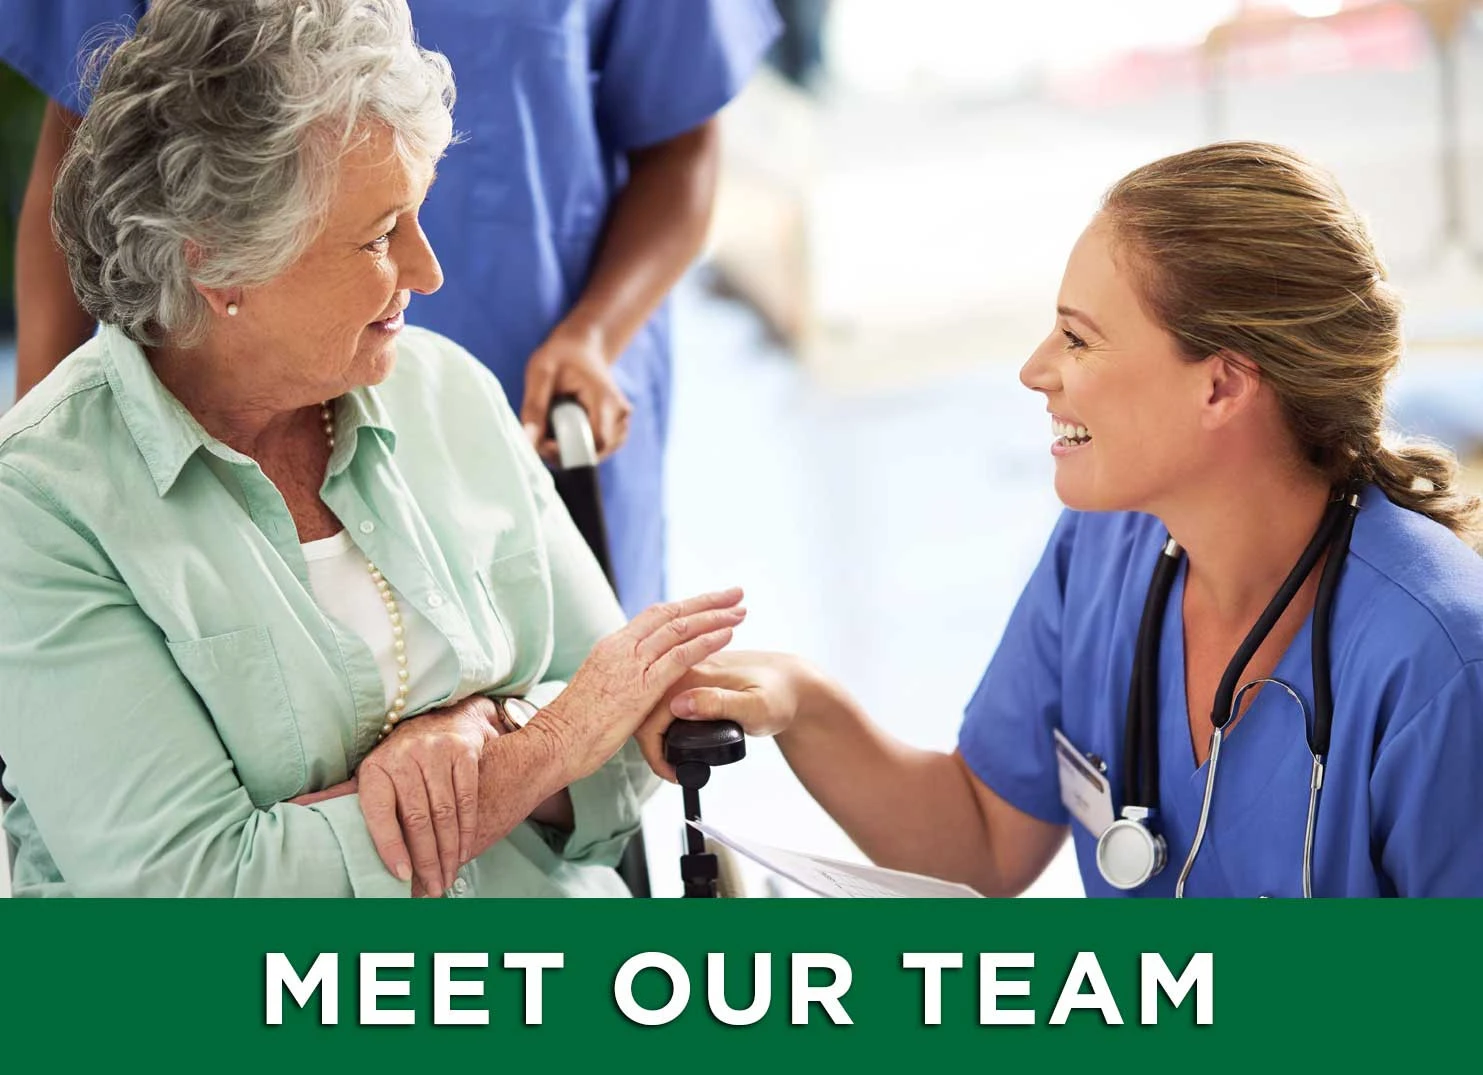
1422, 476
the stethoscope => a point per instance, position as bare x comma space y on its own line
1131, 851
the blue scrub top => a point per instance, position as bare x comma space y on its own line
1401, 811
552, 95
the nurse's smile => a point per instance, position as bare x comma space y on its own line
1070, 436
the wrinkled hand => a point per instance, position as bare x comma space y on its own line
760, 691
629, 672
419, 792
574, 363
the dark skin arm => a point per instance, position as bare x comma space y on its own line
654, 230
51, 323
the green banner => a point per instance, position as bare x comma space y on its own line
1033, 985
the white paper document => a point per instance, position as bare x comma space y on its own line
832, 878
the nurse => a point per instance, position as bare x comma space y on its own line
1215, 375
580, 193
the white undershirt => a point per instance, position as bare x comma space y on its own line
343, 586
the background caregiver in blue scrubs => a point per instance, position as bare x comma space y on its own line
580, 193
1222, 339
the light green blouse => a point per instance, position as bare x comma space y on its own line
167, 679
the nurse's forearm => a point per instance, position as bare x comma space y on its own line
50, 322
906, 808
654, 230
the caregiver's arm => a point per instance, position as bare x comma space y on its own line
50, 324
906, 808
654, 230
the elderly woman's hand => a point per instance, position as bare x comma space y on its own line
419, 792
629, 672
419, 789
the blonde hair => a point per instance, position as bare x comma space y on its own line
1248, 248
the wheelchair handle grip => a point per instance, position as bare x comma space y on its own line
575, 445
704, 742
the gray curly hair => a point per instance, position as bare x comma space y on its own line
209, 154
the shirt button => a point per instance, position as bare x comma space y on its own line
435, 600
460, 886
367, 526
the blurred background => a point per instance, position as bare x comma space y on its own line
850, 440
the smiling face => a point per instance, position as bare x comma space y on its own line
329, 322
1127, 407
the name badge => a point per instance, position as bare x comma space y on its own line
1084, 790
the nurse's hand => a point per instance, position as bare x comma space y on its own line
574, 362
760, 691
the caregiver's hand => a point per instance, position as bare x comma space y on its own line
419, 792
572, 362
760, 691
628, 673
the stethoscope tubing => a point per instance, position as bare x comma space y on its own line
1140, 774
1140, 738
1217, 738
1223, 710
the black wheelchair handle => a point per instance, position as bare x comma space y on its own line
704, 742
692, 747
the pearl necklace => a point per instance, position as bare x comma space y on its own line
398, 706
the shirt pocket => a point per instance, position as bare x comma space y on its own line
517, 588
239, 679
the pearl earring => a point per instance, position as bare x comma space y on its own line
231, 309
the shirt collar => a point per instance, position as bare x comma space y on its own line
163, 430
360, 408
167, 434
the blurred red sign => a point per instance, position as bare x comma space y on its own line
1381, 36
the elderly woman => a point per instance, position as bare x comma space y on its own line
256, 525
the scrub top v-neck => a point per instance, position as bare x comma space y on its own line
1262, 780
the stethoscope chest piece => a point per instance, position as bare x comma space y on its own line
1129, 853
